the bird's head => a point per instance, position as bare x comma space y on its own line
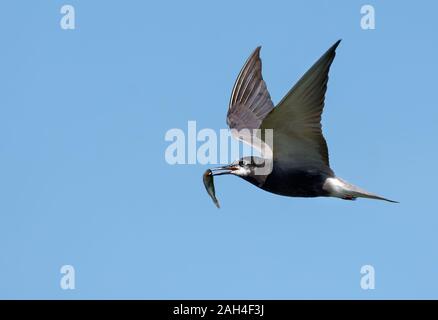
246, 168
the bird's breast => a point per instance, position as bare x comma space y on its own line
296, 182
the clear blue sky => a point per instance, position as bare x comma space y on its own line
83, 179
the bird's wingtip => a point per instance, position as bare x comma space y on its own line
256, 52
336, 44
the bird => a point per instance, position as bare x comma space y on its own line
299, 158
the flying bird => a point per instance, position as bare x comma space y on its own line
299, 155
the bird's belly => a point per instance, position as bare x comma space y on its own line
296, 183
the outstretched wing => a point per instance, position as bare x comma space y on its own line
296, 121
250, 101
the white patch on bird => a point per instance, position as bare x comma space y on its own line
242, 171
335, 186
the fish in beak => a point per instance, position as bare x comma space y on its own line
209, 183
209, 186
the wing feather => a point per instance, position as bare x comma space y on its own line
296, 120
250, 100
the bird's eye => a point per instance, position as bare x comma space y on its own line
241, 163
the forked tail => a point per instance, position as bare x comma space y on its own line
342, 189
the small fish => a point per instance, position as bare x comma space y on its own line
209, 186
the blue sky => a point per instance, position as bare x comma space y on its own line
84, 181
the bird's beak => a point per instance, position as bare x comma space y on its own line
223, 170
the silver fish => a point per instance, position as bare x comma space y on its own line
209, 186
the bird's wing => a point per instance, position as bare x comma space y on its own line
250, 101
296, 121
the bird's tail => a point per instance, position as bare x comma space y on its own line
347, 191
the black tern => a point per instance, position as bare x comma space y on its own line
300, 161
